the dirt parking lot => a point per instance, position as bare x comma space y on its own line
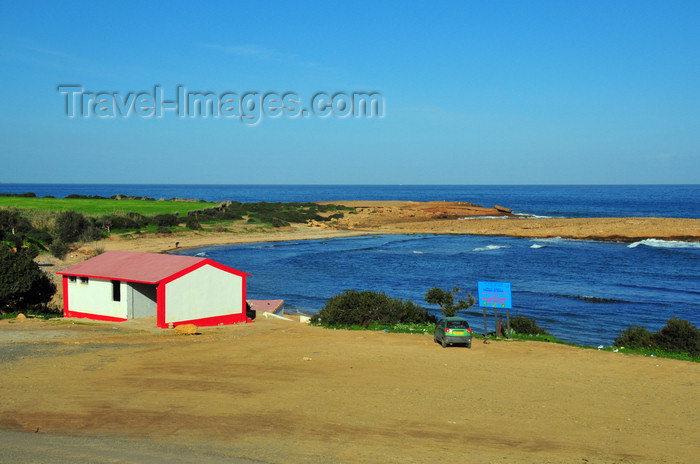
280, 392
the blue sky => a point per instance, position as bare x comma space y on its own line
493, 92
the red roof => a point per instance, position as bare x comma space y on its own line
132, 266
268, 306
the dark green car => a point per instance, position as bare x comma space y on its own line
453, 331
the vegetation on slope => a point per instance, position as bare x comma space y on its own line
53, 224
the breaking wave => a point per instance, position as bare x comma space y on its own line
490, 247
483, 217
656, 243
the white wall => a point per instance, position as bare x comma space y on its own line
204, 292
95, 297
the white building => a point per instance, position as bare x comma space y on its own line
121, 285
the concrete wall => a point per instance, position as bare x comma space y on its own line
204, 292
95, 297
141, 300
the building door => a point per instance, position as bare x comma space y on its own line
142, 300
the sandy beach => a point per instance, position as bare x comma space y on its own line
394, 217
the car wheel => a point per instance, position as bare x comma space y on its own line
469, 345
444, 343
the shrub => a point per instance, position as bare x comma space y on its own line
446, 300
166, 220
59, 249
22, 284
678, 335
40, 236
277, 222
163, 230
12, 224
526, 326
16, 240
191, 222
70, 226
353, 307
634, 337
92, 233
120, 221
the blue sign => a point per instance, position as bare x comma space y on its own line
495, 295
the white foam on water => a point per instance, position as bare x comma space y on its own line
656, 243
537, 246
515, 216
418, 252
490, 247
533, 216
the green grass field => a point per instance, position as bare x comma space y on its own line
99, 207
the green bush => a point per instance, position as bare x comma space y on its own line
71, 225
119, 221
163, 230
277, 222
13, 224
526, 326
164, 220
59, 249
16, 240
446, 300
191, 222
23, 285
353, 307
39, 235
678, 335
634, 337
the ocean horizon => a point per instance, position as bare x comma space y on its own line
681, 201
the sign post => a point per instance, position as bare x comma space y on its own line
495, 295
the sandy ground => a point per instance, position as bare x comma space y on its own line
278, 392
463, 218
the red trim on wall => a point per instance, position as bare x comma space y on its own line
96, 317
106, 278
160, 306
66, 312
244, 309
206, 321
216, 320
206, 262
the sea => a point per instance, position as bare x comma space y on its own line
582, 291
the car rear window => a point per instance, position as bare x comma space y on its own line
457, 324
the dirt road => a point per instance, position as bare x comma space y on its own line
276, 391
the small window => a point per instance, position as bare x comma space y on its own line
116, 290
458, 325
84, 280
72, 279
